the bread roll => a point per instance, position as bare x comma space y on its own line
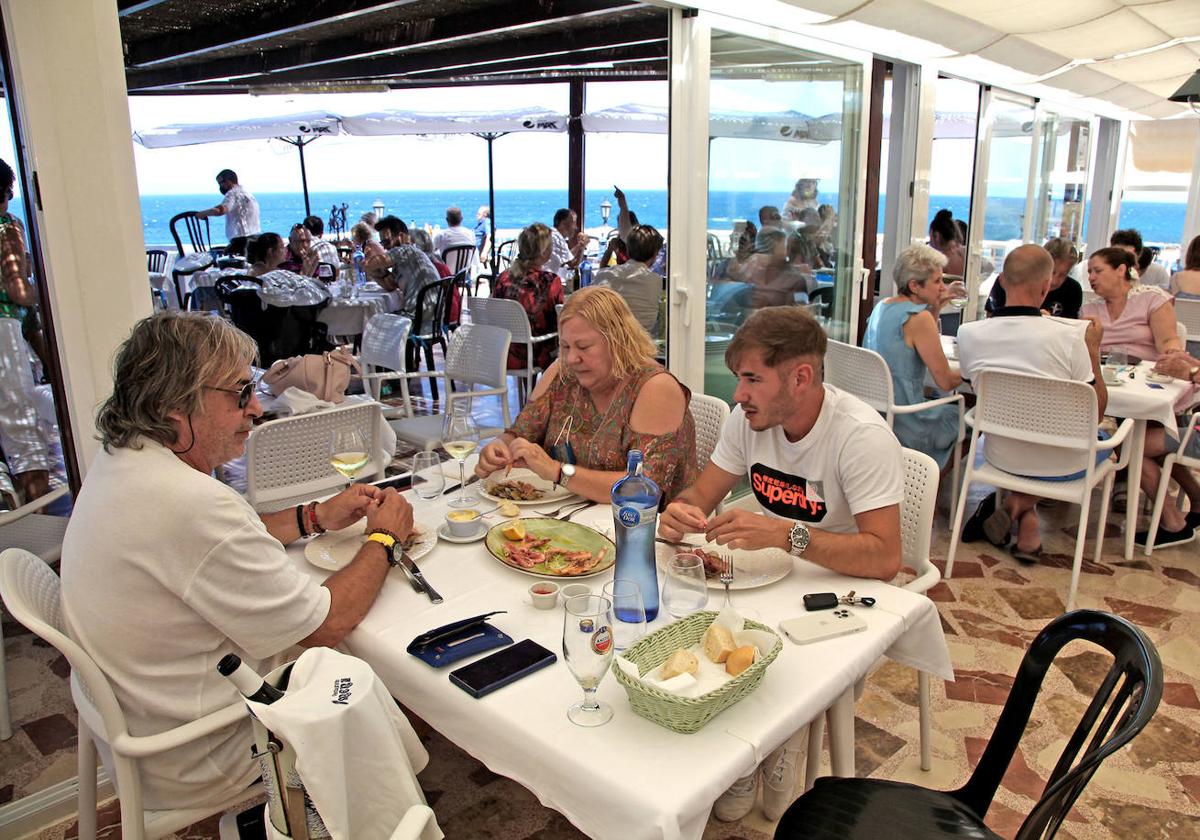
680, 662
740, 660
718, 643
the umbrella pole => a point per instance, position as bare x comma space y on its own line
303, 176
491, 202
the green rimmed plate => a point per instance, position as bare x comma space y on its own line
568, 536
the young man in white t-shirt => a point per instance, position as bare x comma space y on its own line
827, 473
1020, 338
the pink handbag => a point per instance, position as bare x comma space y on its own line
324, 375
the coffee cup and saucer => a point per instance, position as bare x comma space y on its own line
462, 526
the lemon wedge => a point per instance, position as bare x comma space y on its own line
509, 509
514, 530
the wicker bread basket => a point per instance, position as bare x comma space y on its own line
687, 714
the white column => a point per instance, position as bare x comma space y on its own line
1107, 175
910, 151
69, 91
688, 210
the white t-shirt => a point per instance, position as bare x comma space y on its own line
164, 571
560, 254
848, 463
1156, 275
457, 235
241, 213
1035, 345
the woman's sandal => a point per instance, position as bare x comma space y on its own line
1029, 558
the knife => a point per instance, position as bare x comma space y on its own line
579, 509
409, 566
454, 487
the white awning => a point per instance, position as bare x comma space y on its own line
307, 124
382, 123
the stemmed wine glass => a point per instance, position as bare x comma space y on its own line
348, 452
588, 651
460, 436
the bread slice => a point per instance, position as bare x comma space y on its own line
740, 660
680, 662
718, 643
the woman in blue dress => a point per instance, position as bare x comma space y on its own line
904, 330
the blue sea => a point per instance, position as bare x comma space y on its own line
1158, 222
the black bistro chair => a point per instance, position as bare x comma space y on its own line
428, 327
458, 257
279, 331
1123, 704
200, 239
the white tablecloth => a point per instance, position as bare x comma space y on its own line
630, 778
345, 317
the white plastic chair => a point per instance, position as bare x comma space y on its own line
1187, 314
1169, 462
31, 593
865, 374
477, 355
287, 460
38, 534
510, 315
382, 359
1043, 412
916, 531
709, 415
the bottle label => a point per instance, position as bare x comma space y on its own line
602, 639
629, 516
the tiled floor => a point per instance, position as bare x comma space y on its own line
990, 610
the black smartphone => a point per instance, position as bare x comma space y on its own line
501, 668
820, 601
400, 482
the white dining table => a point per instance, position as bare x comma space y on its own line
630, 778
1140, 400
348, 317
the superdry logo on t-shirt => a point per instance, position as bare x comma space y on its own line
788, 495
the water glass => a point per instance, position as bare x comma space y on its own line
588, 651
628, 613
427, 477
685, 588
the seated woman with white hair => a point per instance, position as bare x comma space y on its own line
904, 330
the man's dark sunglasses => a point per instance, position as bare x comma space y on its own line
243, 394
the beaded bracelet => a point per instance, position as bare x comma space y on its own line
310, 512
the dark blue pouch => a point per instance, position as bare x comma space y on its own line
453, 642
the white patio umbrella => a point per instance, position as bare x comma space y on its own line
297, 129
488, 125
779, 125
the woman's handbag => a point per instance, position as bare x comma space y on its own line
324, 375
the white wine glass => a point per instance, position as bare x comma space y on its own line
588, 651
460, 436
348, 452
685, 587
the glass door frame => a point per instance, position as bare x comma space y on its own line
689, 75
978, 218
1044, 110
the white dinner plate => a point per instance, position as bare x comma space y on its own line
751, 569
336, 549
551, 492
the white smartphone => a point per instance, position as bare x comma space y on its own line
816, 627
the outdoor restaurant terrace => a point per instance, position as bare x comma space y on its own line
897, 300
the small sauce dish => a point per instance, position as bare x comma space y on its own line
463, 523
544, 595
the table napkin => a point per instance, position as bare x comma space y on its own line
356, 753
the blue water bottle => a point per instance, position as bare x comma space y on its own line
585, 273
635, 517
360, 276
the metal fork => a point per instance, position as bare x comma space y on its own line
727, 576
554, 513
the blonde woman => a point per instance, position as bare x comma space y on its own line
538, 291
604, 396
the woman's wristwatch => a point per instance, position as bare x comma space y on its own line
1192, 374
565, 473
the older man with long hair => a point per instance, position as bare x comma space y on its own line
165, 569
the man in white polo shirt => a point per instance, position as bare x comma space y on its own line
165, 569
1019, 338
828, 476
